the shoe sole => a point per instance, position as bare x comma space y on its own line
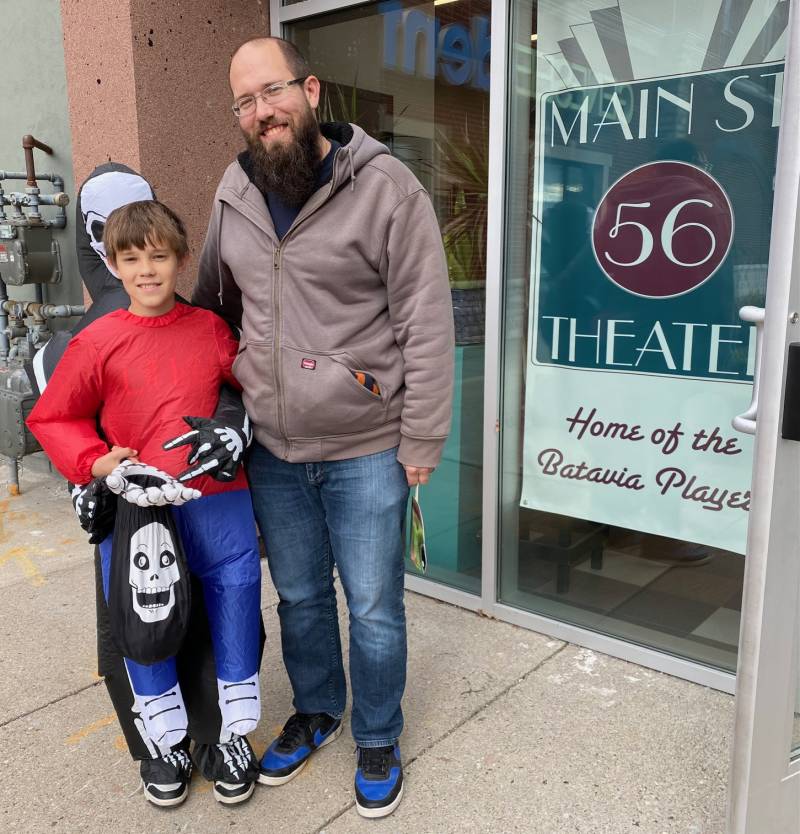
164, 803
234, 800
377, 813
263, 779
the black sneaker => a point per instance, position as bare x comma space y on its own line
290, 751
165, 780
232, 767
379, 780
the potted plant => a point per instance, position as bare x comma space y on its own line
463, 167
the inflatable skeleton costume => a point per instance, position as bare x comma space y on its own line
178, 570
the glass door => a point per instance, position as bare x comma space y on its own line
642, 139
765, 777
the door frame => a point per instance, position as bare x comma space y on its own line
764, 788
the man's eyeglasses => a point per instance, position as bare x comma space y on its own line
246, 105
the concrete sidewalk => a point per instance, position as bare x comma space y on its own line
507, 730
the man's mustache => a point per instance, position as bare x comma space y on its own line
268, 123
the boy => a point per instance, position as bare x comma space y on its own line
138, 372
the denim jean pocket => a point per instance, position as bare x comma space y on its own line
322, 397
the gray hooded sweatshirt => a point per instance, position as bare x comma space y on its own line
358, 283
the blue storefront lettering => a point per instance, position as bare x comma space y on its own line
460, 54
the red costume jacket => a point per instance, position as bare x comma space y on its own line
137, 377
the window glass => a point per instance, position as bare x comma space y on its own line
642, 145
416, 77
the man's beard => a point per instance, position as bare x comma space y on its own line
288, 170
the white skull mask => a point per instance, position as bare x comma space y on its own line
101, 195
153, 572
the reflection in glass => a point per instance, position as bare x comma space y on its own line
416, 77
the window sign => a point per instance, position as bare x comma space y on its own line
651, 220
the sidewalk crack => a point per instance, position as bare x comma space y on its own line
60, 698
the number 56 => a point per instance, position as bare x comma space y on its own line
668, 232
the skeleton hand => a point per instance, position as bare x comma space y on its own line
123, 482
96, 508
216, 449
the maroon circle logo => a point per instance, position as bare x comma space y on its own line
662, 229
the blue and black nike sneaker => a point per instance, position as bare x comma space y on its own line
300, 737
379, 780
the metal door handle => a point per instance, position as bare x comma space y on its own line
746, 423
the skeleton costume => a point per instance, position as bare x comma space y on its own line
127, 380
139, 375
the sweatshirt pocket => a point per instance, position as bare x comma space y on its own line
322, 397
252, 367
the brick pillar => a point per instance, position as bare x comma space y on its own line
147, 83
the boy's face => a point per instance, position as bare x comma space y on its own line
149, 276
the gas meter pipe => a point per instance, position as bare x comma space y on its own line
4, 341
28, 144
58, 199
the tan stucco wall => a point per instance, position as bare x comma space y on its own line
162, 101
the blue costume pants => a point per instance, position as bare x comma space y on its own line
219, 539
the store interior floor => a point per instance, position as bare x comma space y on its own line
676, 596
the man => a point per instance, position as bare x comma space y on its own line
327, 251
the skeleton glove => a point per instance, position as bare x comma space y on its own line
128, 479
215, 449
96, 508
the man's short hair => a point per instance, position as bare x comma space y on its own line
295, 60
147, 221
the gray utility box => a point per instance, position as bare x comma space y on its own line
16, 402
29, 255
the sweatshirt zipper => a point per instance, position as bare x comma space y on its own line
276, 342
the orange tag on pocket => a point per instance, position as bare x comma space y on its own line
367, 380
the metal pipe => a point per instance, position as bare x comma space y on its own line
28, 144
62, 311
60, 221
18, 175
4, 342
13, 476
20, 309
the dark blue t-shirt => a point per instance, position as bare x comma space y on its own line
282, 215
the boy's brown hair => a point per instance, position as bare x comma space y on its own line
147, 221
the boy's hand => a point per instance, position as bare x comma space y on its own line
107, 463
215, 449
133, 481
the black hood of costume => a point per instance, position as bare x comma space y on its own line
96, 203
105, 289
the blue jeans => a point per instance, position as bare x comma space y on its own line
350, 513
